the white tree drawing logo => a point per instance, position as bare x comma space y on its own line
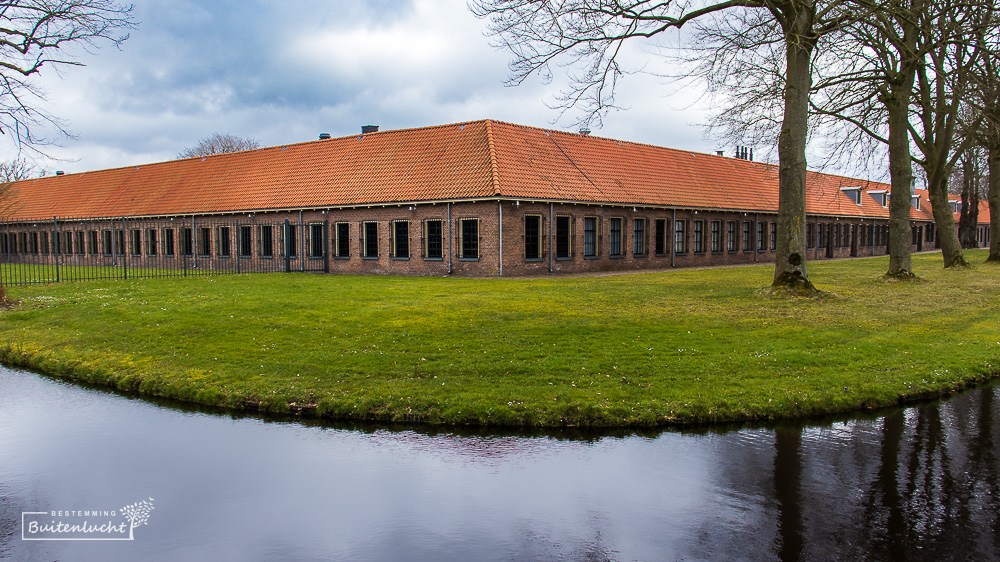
137, 514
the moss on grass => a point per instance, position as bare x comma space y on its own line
685, 346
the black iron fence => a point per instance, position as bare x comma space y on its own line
130, 248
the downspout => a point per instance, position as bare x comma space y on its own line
551, 219
500, 208
673, 243
449, 238
302, 263
194, 244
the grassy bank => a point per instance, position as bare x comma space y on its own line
648, 349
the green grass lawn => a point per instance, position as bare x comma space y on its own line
644, 349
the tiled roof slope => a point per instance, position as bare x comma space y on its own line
479, 159
432, 163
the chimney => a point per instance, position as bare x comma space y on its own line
324, 136
584, 131
369, 129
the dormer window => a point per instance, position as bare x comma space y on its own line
954, 206
881, 196
854, 193
915, 202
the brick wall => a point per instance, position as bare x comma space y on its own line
563, 238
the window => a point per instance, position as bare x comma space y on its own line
699, 237
615, 238
716, 236
532, 237
589, 237
136, 242
316, 240
151, 242
433, 241
266, 241
225, 244
680, 236
187, 241
401, 240
469, 229
168, 242
246, 241
639, 237
369, 240
342, 240
836, 235
291, 240
854, 193
120, 242
4, 246
746, 236
660, 235
761, 229
45, 243
731, 236
774, 236
810, 236
204, 241
67, 246
80, 245
106, 234
564, 237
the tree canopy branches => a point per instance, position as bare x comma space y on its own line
218, 143
40, 33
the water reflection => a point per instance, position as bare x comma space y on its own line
920, 483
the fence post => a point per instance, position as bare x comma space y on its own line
326, 246
55, 233
124, 239
288, 247
239, 241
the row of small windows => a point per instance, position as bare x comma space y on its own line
246, 240
702, 239
270, 240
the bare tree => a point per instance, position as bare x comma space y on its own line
985, 98
591, 35
902, 76
35, 34
967, 181
218, 143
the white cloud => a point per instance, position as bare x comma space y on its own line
284, 73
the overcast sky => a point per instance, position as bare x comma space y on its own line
283, 72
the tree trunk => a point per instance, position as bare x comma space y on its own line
790, 256
994, 201
944, 220
901, 181
969, 218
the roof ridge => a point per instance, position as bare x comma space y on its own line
493, 157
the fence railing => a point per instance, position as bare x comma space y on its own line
128, 248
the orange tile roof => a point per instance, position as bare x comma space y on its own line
473, 160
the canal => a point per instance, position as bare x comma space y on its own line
921, 483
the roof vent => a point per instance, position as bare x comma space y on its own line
324, 136
60, 173
365, 129
585, 131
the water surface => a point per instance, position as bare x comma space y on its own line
921, 483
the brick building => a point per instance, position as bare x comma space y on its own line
482, 199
